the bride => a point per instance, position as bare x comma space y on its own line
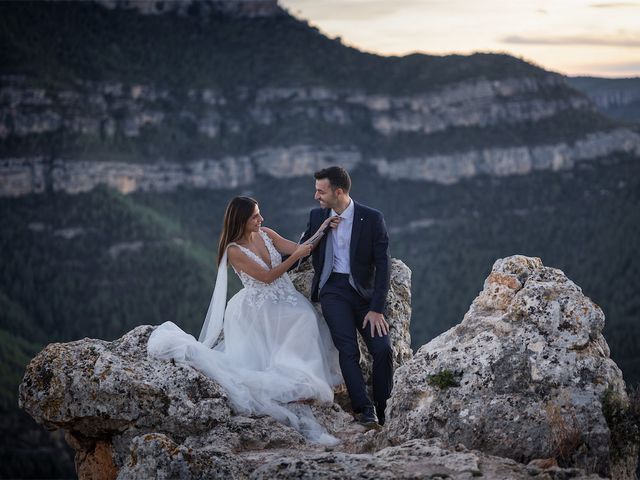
275, 348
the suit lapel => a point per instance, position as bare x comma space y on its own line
356, 228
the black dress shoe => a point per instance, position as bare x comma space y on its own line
368, 418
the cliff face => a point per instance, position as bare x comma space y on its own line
617, 97
530, 378
24, 176
112, 108
108, 114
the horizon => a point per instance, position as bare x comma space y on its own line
526, 30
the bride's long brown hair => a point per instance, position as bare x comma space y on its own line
236, 215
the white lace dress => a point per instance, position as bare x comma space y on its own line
276, 350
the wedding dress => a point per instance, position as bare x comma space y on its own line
275, 350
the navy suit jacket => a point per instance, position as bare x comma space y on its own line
368, 253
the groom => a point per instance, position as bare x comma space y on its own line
351, 280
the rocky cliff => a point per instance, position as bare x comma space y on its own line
523, 386
24, 176
109, 114
617, 97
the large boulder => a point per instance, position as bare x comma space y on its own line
526, 375
121, 408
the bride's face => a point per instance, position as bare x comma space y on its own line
255, 221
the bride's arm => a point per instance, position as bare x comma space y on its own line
287, 247
284, 246
241, 262
330, 222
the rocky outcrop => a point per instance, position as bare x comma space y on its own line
608, 93
525, 375
109, 115
520, 160
20, 177
80, 176
108, 108
478, 103
514, 390
24, 176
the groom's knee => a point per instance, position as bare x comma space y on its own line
348, 350
381, 349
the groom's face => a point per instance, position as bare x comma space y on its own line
327, 197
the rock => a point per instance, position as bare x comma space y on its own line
25, 176
413, 460
397, 313
130, 416
155, 455
99, 390
516, 160
107, 110
524, 376
96, 388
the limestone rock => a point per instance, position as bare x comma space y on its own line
523, 376
99, 391
109, 109
94, 388
414, 459
155, 455
529, 361
25, 176
503, 161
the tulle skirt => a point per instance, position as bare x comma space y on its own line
272, 354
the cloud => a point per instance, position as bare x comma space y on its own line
603, 41
615, 5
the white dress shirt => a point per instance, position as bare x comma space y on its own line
341, 239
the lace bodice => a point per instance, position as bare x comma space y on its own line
281, 289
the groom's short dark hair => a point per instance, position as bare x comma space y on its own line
337, 176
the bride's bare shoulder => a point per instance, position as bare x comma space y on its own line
233, 251
272, 233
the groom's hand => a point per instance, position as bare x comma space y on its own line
377, 322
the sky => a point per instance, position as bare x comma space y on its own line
573, 37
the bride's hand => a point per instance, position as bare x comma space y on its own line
303, 250
330, 222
